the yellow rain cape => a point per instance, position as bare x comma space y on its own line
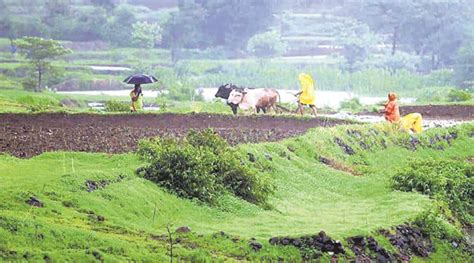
307, 96
412, 121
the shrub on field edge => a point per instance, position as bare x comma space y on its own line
202, 166
457, 95
438, 222
445, 180
116, 106
351, 104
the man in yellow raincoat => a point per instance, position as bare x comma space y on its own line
411, 122
137, 98
307, 95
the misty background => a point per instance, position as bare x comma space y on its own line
420, 49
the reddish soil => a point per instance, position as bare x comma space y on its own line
450, 112
26, 135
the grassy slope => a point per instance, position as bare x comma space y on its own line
310, 197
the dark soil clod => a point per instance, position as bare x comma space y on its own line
251, 157
183, 230
346, 148
338, 166
320, 242
410, 240
93, 185
33, 201
255, 245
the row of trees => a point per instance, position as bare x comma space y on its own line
197, 24
427, 28
209, 23
58, 19
428, 34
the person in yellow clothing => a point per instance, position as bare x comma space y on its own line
411, 122
137, 98
307, 95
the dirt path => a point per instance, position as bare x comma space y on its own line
26, 135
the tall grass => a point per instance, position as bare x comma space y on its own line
278, 74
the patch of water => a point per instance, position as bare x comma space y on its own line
427, 123
113, 93
331, 99
100, 106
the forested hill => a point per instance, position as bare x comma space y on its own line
427, 28
377, 45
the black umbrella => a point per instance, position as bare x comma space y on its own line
140, 79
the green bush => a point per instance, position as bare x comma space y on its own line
201, 166
28, 83
457, 95
446, 180
432, 94
267, 44
116, 106
38, 99
37, 108
351, 104
440, 77
436, 221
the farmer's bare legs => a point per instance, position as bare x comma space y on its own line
313, 108
300, 109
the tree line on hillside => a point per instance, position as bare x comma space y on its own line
438, 32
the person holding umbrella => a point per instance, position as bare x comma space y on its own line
137, 98
136, 94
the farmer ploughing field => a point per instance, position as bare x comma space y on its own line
96, 166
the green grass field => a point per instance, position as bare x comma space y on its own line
309, 197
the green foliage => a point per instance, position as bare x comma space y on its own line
357, 41
118, 30
411, 24
41, 101
464, 66
447, 180
146, 35
29, 83
61, 230
438, 222
201, 166
39, 52
267, 44
37, 108
440, 77
399, 61
442, 94
215, 23
351, 104
116, 106
108, 4
281, 74
457, 95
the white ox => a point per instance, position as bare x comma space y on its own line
255, 99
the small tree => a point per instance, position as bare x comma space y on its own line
39, 52
357, 42
146, 35
266, 44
